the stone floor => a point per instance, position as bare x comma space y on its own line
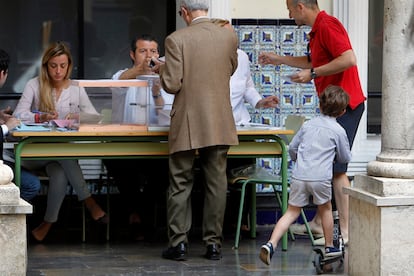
64, 254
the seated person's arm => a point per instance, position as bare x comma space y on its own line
137, 70
156, 93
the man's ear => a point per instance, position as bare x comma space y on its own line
301, 6
132, 56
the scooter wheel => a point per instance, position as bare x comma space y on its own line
317, 263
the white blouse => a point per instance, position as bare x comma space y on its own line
73, 99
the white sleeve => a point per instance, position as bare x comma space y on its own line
28, 101
5, 130
251, 95
118, 74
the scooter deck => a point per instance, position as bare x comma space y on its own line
324, 258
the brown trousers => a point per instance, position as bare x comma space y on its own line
179, 212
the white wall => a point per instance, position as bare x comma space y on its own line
274, 9
262, 9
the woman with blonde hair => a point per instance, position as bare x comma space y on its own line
52, 96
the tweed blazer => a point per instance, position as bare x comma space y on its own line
1, 144
199, 61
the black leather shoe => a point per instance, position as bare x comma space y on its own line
213, 252
176, 253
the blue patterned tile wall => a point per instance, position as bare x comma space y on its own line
285, 38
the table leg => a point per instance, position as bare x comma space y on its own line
253, 212
284, 174
17, 165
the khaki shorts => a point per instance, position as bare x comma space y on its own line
300, 191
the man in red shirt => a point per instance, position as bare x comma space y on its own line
330, 60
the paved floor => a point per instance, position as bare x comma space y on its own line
64, 254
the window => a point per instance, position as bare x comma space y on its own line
98, 31
375, 32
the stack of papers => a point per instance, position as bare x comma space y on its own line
32, 127
64, 123
253, 126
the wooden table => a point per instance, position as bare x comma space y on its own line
54, 145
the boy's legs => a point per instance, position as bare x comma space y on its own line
340, 180
283, 224
267, 250
325, 211
342, 202
298, 197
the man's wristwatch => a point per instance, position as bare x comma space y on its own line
157, 96
313, 73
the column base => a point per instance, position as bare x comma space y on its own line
390, 169
13, 238
381, 226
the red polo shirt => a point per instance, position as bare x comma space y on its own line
328, 40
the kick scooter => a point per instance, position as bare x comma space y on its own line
323, 263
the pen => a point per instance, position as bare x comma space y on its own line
39, 112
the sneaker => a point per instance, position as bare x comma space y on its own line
266, 253
332, 252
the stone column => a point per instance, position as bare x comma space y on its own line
382, 202
397, 140
13, 238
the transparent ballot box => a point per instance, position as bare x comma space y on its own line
126, 104
160, 102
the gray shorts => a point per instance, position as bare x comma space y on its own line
301, 190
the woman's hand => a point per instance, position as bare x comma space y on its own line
46, 117
72, 116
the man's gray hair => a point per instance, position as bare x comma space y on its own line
194, 5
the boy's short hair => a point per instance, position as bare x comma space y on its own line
333, 101
4, 60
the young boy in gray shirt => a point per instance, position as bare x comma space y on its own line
319, 143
